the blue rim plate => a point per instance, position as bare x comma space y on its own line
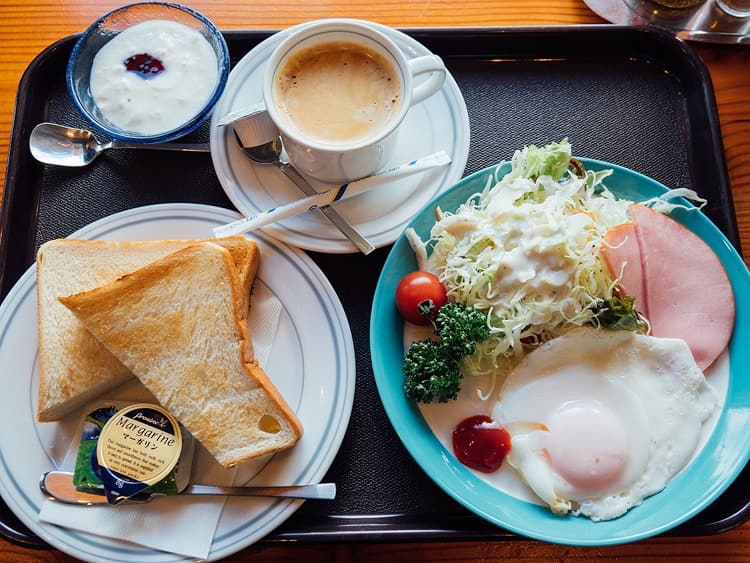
312, 362
724, 455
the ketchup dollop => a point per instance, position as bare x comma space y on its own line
480, 443
144, 64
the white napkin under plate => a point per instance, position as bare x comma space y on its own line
161, 524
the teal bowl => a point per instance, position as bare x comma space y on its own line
693, 489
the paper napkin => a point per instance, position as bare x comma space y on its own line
178, 524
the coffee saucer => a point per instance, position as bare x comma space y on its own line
441, 122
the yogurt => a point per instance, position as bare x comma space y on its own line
173, 73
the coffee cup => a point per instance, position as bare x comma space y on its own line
338, 90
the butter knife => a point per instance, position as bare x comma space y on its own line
58, 486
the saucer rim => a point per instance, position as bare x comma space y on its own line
330, 240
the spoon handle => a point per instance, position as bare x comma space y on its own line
321, 491
58, 486
362, 244
181, 147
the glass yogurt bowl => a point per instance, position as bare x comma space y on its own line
148, 72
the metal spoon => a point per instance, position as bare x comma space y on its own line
58, 486
259, 139
67, 146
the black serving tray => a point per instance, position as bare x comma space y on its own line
633, 96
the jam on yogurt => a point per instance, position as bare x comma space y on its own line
144, 64
154, 77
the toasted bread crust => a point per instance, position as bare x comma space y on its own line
180, 325
74, 367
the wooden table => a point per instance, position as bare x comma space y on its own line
27, 28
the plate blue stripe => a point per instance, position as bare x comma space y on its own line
343, 380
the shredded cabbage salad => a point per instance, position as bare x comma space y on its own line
526, 251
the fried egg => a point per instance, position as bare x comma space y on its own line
602, 419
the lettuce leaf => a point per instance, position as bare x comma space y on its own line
618, 313
551, 160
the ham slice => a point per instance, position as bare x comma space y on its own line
623, 258
681, 286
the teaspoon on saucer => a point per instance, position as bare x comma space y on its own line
260, 141
67, 146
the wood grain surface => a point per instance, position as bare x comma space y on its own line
26, 28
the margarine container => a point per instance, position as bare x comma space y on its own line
136, 450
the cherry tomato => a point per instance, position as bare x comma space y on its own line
415, 288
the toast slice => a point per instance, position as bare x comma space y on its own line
179, 324
74, 367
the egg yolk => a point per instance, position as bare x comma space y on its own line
588, 446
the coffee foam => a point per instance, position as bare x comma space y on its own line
337, 92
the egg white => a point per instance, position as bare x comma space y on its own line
479, 395
636, 400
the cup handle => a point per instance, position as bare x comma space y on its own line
423, 65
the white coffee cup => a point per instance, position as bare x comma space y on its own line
317, 148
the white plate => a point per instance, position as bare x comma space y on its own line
312, 363
439, 123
